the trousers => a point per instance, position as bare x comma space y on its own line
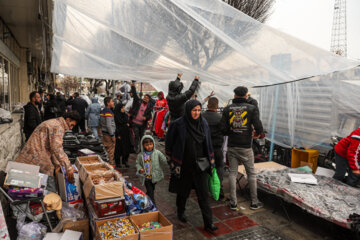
197, 181
109, 146
246, 156
342, 166
139, 131
150, 189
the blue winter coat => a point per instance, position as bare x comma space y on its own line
93, 113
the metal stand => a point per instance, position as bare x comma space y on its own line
283, 207
16, 204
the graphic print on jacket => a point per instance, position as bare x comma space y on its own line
238, 119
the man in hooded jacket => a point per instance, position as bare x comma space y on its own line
176, 100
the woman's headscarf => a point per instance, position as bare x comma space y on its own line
161, 95
194, 126
120, 117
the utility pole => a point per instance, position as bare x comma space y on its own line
339, 31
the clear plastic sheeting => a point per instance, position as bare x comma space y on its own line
307, 113
152, 40
330, 199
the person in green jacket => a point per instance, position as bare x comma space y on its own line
148, 165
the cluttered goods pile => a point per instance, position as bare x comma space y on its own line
116, 208
100, 203
80, 144
326, 197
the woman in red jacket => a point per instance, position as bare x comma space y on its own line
347, 158
161, 110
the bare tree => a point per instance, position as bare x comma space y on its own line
69, 83
257, 9
94, 84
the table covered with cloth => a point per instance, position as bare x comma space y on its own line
330, 199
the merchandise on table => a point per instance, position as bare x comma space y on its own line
69, 192
153, 226
93, 217
94, 169
80, 161
85, 152
22, 175
104, 186
116, 229
149, 226
109, 207
20, 193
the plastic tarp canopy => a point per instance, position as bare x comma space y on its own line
153, 40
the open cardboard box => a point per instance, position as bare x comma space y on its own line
79, 226
163, 233
128, 237
97, 168
69, 192
114, 189
87, 160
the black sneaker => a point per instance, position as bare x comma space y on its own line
256, 206
233, 207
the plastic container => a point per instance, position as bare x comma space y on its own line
304, 157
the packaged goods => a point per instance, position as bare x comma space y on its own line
116, 229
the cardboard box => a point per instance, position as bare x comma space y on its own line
87, 160
109, 207
98, 168
128, 237
69, 192
93, 217
22, 175
163, 233
105, 190
79, 226
73, 235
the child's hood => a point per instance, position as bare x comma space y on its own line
142, 140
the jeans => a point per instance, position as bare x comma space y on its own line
246, 156
139, 133
95, 132
342, 166
150, 189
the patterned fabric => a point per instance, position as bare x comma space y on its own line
45, 147
147, 161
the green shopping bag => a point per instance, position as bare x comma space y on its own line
214, 184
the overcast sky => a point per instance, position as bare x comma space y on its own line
311, 20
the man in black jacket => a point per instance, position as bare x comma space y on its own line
176, 100
32, 117
237, 122
214, 119
61, 102
79, 105
141, 112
